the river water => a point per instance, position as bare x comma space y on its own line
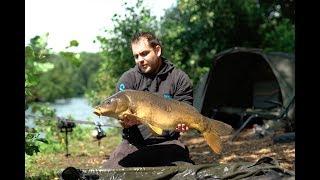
78, 108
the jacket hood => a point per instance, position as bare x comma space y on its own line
166, 67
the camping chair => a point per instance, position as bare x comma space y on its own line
264, 113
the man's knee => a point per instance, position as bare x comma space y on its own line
118, 154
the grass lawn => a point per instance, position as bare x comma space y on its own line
85, 154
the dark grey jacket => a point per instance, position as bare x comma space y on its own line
169, 82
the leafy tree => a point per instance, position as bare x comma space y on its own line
278, 28
71, 76
89, 68
47, 76
32, 143
194, 31
60, 82
278, 36
36, 65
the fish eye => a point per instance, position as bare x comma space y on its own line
111, 100
106, 101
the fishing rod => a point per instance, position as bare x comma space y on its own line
75, 121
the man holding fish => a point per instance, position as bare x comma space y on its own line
150, 132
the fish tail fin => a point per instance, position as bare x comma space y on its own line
213, 141
220, 127
212, 132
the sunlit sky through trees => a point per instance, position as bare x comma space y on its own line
80, 20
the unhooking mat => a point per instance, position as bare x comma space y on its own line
265, 168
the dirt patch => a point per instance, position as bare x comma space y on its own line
247, 147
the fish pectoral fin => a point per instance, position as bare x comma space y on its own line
157, 130
131, 116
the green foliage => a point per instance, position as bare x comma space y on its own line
81, 133
89, 68
43, 174
277, 29
72, 75
36, 64
85, 153
43, 109
73, 43
48, 77
60, 82
54, 137
194, 31
46, 125
52, 76
33, 142
72, 58
279, 36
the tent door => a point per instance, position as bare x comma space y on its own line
266, 95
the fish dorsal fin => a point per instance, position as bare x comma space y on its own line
156, 129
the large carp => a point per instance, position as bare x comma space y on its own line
160, 114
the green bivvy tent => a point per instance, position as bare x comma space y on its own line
247, 79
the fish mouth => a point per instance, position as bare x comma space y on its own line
97, 112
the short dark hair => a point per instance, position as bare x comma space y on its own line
152, 39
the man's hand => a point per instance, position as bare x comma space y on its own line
126, 122
182, 128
